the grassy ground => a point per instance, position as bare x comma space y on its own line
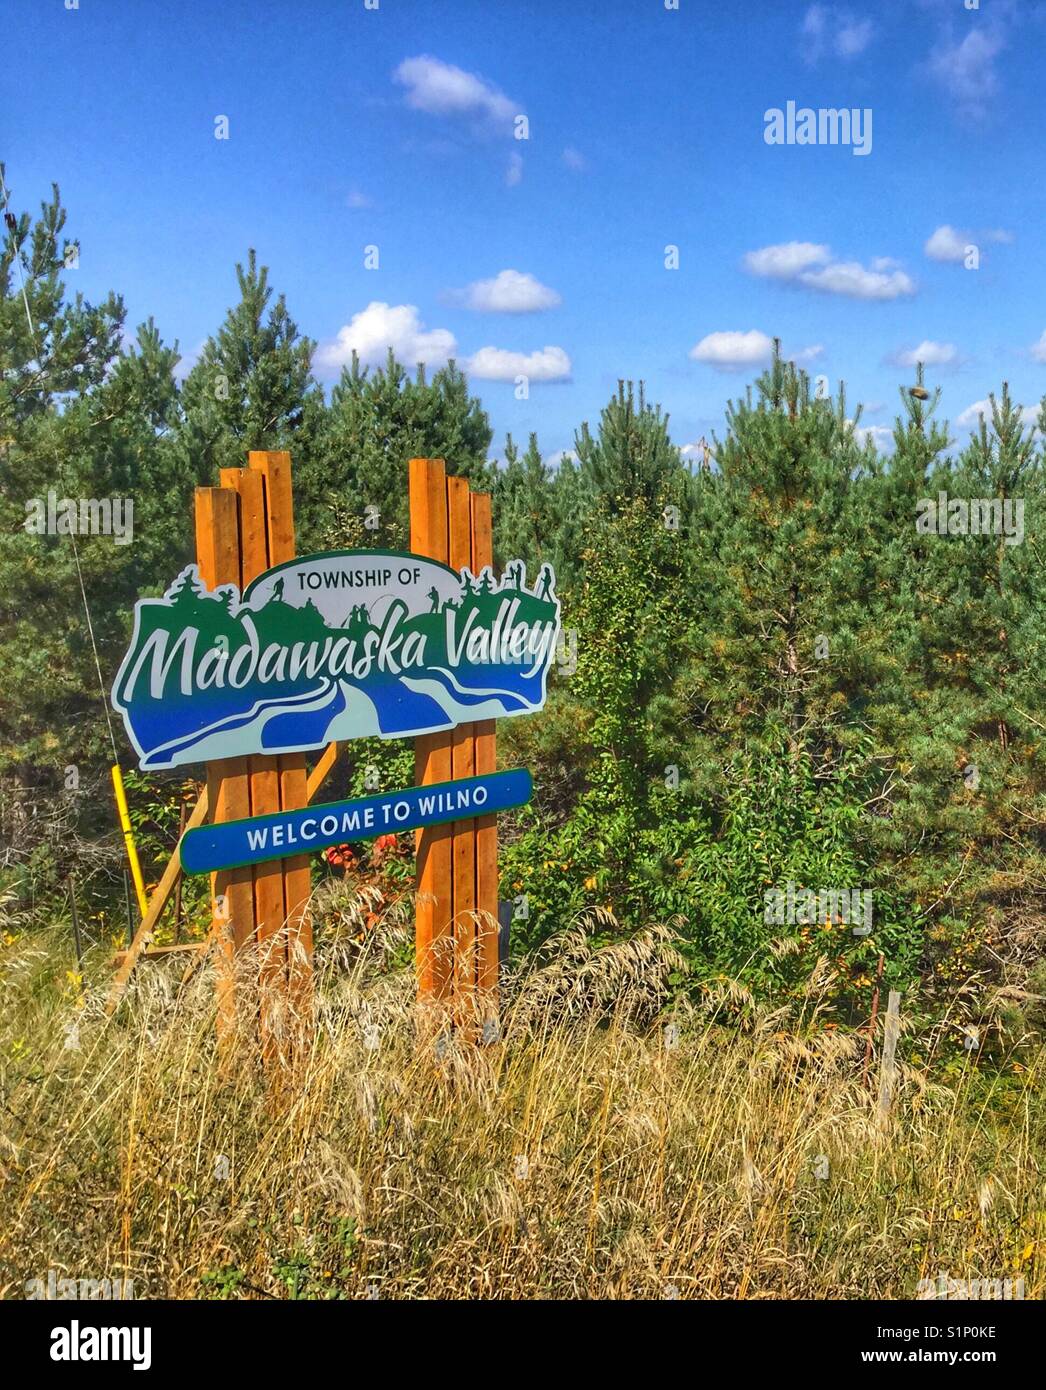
604, 1148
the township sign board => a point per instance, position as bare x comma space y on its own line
335, 646
231, 844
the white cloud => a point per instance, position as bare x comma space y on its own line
500, 364
380, 326
967, 69
815, 21
696, 450
357, 200
442, 89
853, 280
931, 354
949, 243
509, 292
880, 435
968, 419
574, 159
514, 171
810, 264
731, 351
853, 38
804, 356
838, 32
786, 260
1038, 350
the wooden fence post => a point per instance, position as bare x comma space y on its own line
243, 528
270, 913
456, 903
463, 764
232, 892
275, 468
487, 924
432, 762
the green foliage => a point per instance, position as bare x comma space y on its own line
706, 864
379, 420
796, 688
83, 416
251, 388
779, 678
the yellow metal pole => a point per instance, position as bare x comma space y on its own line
128, 837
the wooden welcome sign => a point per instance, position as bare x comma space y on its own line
255, 656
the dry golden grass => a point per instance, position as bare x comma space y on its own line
605, 1147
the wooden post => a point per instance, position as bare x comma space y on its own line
232, 891
242, 529
183, 816
463, 764
76, 922
486, 826
433, 762
457, 871
275, 470
270, 913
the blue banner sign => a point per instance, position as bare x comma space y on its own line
233, 843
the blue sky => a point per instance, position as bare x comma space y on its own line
352, 127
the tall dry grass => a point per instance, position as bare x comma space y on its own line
609, 1145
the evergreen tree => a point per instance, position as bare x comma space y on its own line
83, 421
378, 421
795, 623
631, 455
252, 388
52, 349
970, 738
524, 520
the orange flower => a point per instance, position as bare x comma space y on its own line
340, 856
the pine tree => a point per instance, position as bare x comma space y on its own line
52, 349
252, 388
971, 739
86, 421
378, 421
796, 622
631, 455
524, 517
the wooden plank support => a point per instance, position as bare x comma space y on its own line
433, 760
274, 466
232, 890
486, 826
270, 912
172, 874
888, 1061
161, 895
463, 764
158, 952
322, 770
